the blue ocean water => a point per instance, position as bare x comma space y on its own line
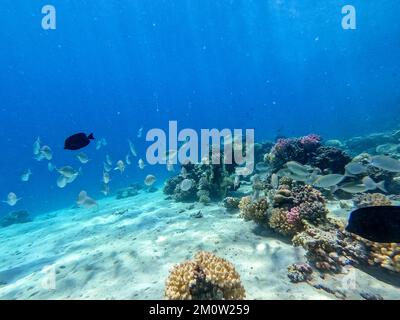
110, 67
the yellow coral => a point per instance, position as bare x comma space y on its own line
181, 277
253, 210
371, 199
208, 276
278, 221
386, 255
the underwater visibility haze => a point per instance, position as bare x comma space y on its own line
85, 214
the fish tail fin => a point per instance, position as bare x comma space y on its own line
90, 136
381, 186
348, 174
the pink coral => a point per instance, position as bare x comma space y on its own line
293, 216
311, 139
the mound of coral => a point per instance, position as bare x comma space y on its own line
208, 182
307, 150
207, 277
253, 210
371, 199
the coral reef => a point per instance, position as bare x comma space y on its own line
15, 217
253, 210
279, 222
310, 203
293, 149
385, 255
209, 182
300, 272
231, 203
207, 277
330, 159
371, 199
308, 150
329, 248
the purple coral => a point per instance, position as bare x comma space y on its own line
293, 216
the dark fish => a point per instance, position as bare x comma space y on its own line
377, 224
78, 141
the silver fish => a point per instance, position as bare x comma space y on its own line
141, 164
108, 160
274, 181
353, 187
36, 146
82, 157
370, 184
132, 148
62, 181
328, 180
149, 180
67, 171
298, 168
387, 148
128, 159
385, 163
355, 168
12, 199
107, 167
139, 133
120, 166
26, 175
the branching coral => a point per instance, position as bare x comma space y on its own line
208, 277
371, 199
253, 210
385, 255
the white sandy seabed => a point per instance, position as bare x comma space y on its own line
125, 250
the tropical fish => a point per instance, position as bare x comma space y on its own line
105, 189
106, 177
78, 141
132, 148
387, 148
139, 133
385, 163
128, 159
36, 146
67, 171
51, 167
298, 168
141, 164
149, 180
377, 224
353, 187
62, 181
82, 157
85, 201
101, 143
107, 167
370, 184
328, 181
274, 181
354, 168
120, 166
236, 182
12, 199
26, 175
108, 160
186, 184
46, 152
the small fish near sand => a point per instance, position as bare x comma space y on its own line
78, 141
25, 176
378, 224
12, 199
85, 201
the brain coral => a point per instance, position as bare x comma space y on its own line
207, 277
